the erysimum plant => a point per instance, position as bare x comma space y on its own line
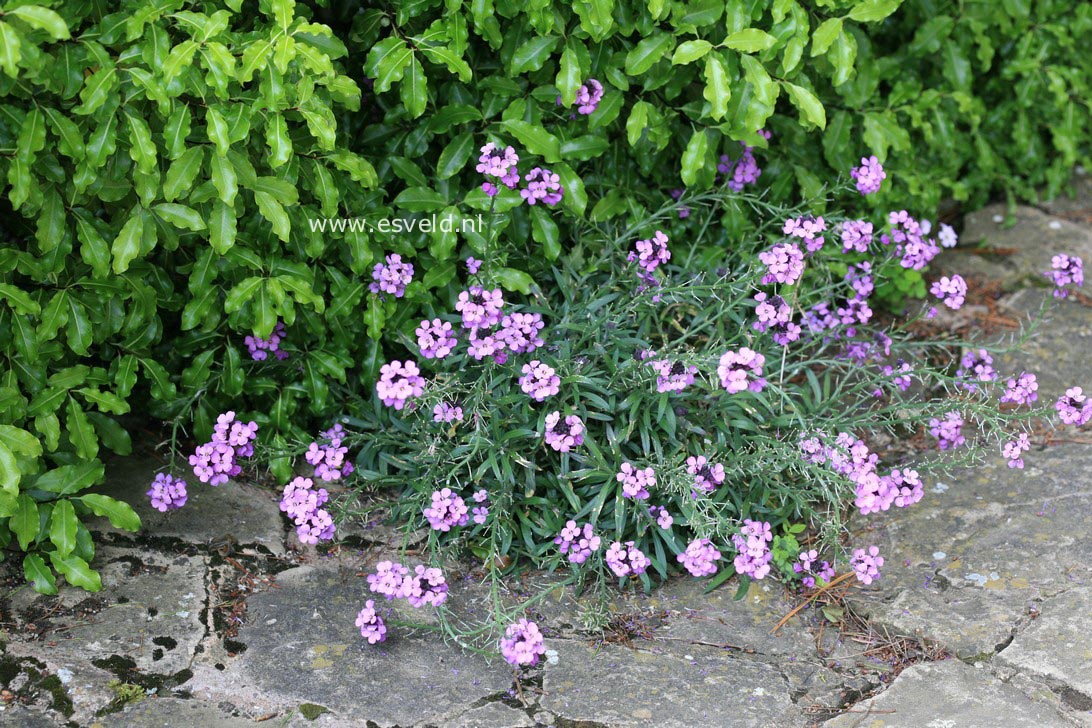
647, 417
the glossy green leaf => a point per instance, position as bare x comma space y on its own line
38, 574
690, 51
749, 40
120, 514
76, 571
126, 245
647, 52
62, 527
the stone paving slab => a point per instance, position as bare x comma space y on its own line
247, 514
949, 694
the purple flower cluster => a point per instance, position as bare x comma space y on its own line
672, 376
303, 504
498, 166
1065, 270
741, 370
784, 264
329, 457
866, 564
522, 643
775, 314
422, 587
1074, 408
804, 565
707, 476
472, 265
542, 186
435, 339
371, 624
398, 383
850, 456
167, 493
625, 559
588, 97
914, 248
481, 512
1014, 450
635, 481
976, 366
753, 555
700, 557
391, 277
446, 511
869, 175
563, 435
480, 308
577, 542
539, 380
260, 348
662, 516
948, 431
1022, 390
389, 579
856, 236
650, 254
808, 229
900, 374
215, 461
952, 291
447, 412
745, 170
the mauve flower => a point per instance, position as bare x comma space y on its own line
741, 370
588, 96
1065, 270
784, 264
1074, 407
446, 510
539, 380
1022, 390
389, 579
392, 276
952, 291
371, 624
563, 435
522, 643
435, 339
753, 555
866, 564
167, 493
1014, 450
948, 431
542, 186
869, 175
626, 559
700, 557
398, 383
577, 542
635, 481
707, 476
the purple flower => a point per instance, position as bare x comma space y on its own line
563, 435
673, 377
635, 481
700, 557
650, 254
166, 493
260, 348
914, 249
808, 229
398, 383
753, 555
776, 315
480, 496
866, 564
684, 212
472, 265
807, 560
520, 332
427, 586
948, 431
498, 166
869, 175
1074, 408
745, 170
952, 291
447, 412
446, 511
392, 277
947, 236
663, 518
588, 96
626, 559
329, 457
1013, 450
741, 370
1065, 270
976, 366
435, 339
302, 503
707, 476
522, 643
481, 513
318, 526
479, 307
215, 461
539, 380
371, 624
908, 487
542, 186
856, 235
390, 579
1022, 390
784, 264
578, 542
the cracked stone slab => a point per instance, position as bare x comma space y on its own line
246, 513
948, 694
173, 713
24, 717
969, 563
302, 647
1030, 243
616, 686
1056, 646
493, 715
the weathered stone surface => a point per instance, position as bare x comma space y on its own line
948, 694
1027, 246
1056, 646
248, 514
302, 646
493, 715
17, 715
173, 713
967, 564
618, 686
